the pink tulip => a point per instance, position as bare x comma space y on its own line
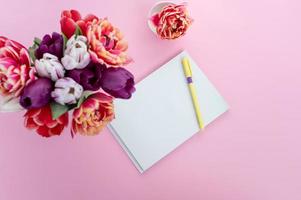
15, 70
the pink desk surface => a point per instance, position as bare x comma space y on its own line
251, 50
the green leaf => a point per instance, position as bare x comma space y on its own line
78, 31
80, 101
33, 48
84, 96
37, 41
65, 41
57, 109
32, 51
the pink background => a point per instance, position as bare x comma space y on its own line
249, 49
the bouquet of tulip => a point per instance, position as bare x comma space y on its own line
78, 69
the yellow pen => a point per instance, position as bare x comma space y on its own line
196, 105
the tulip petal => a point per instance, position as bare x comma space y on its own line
102, 97
65, 13
30, 124
75, 15
24, 57
123, 94
90, 18
51, 124
57, 130
121, 45
155, 19
63, 119
44, 117
43, 131
32, 113
83, 27
2, 41
68, 26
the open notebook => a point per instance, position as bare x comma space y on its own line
160, 115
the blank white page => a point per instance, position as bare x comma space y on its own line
160, 115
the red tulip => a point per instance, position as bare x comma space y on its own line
71, 19
41, 120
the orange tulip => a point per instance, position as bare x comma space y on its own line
107, 44
93, 114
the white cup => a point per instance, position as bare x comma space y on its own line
156, 9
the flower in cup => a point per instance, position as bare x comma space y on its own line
172, 21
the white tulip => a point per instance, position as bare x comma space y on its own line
67, 91
76, 55
10, 104
50, 67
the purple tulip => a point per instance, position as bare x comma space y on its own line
37, 93
89, 77
51, 44
118, 82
